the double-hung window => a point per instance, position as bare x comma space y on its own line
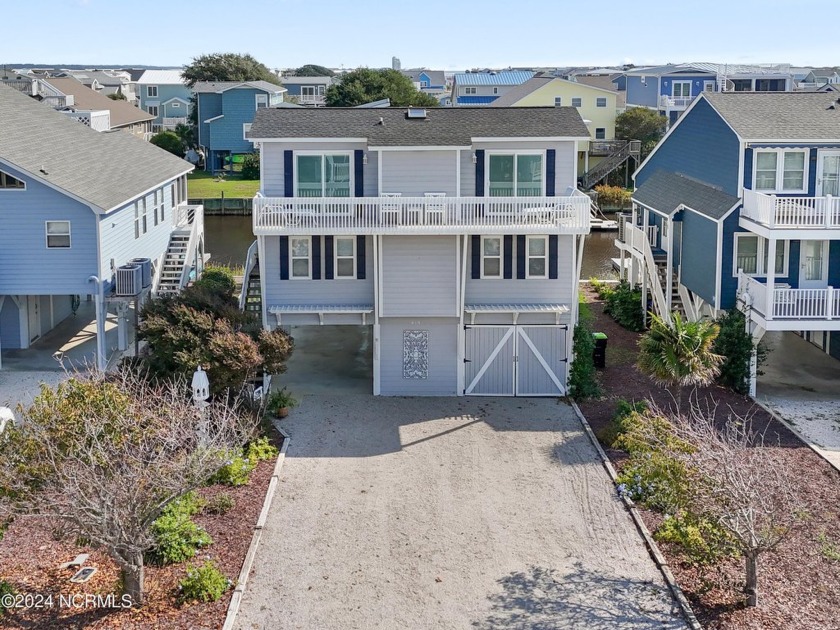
469, 90
577, 101
323, 175
537, 256
780, 171
600, 133
345, 256
515, 175
58, 234
491, 257
155, 213
601, 101
152, 91
153, 110
751, 253
301, 258
262, 101
558, 101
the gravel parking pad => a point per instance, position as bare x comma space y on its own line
448, 513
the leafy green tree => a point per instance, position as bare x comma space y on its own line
366, 85
313, 70
117, 96
641, 123
227, 67
582, 381
736, 345
187, 135
169, 141
679, 354
251, 166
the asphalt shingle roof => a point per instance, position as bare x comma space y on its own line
104, 169
779, 115
220, 86
443, 126
666, 191
122, 112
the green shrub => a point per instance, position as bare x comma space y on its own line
582, 381
177, 537
217, 279
608, 436
602, 289
624, 305
5, 591
278, 400
735, 344
251, 166
220, 504
701, 539
204, 583
237, 472
614, 196
259, 450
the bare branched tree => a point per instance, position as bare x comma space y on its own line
739, 482
104, 455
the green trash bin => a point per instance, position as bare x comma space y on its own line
599, 353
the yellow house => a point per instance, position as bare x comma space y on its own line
598, 108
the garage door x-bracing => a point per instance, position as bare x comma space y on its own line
515, 360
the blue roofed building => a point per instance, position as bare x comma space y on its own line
226, 110
164, 95
482, 88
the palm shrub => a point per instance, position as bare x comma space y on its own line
680, 353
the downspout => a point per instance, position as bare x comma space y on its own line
101, 364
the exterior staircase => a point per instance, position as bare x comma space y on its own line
250, 299
184, 253
621, 153
676, 299
173, 263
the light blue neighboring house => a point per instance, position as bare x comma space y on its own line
741, 183
76, 206
430, 81
165, 95
482, 88
307, 91
226, 110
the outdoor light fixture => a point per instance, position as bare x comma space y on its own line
200, 387
475, 158
364, 159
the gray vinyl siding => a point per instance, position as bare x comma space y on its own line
527, 291
273, 182
467, 174
442, 379
419, 276
118, 244
344, 291
565, 160
413, 173
27, 266
9, 324
371, 173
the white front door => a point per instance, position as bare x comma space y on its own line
813, 265
828, 173
33, 307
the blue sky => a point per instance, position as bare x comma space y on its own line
449, 34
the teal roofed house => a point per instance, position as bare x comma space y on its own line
226, 110
739, 207
482, 88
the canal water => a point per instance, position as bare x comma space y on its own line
227, 238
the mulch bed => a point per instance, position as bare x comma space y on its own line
799, 586
30, 555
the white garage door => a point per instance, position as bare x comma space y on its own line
515, 360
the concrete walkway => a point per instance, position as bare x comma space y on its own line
801, 383
448, 513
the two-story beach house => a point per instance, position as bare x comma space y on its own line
164, 95
308, 91
80, 213
225, 112
454, 234
739, 205
482, 88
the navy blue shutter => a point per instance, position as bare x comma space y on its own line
475, 243
479, 173
359, 173
552, 256
520, 257
550, 168
508, 256
284, 257
328, 258
288, 174
360, 257
316, 257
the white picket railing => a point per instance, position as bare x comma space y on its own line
792, 304
638, 240
675, 102
792, 212
421, 215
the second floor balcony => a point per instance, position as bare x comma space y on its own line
792, 213
172, 122
678, 103
431, 214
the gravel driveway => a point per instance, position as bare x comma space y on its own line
448, 513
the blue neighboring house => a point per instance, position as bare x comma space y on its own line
309, 91
226, 110
75, 206
482, 88
671, 88
164, 95
741, 183
430, 81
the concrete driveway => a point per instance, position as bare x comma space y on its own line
448, 513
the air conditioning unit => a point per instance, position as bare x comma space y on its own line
146, 266
129, 280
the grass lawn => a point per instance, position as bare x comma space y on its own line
203, 185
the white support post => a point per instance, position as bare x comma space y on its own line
771, 278
828, 213
829, 302
460, 354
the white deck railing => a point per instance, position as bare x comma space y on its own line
172, 122
792, 212
192, 218
791, 304
639, 246
421, 215
675, 102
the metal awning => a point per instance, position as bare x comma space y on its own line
321, 310
516, 309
